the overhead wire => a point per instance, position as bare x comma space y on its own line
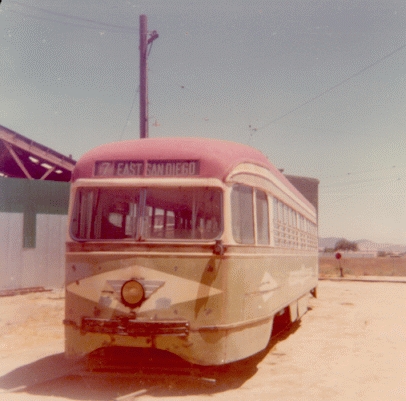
129, 113
352, 174
362, 191
95, 25
356, 74
346, 188
360, 183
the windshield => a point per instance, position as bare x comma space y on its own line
139, 214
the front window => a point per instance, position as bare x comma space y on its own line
141, 214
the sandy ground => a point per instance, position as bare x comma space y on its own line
351, 345
329, 266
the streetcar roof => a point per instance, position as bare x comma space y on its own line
216, 158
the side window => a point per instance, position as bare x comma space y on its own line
82, 213
242, 218
278, 222
261, 202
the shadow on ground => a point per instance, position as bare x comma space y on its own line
153, 372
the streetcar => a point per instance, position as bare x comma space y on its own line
187, 245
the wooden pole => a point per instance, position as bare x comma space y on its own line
143, 77
144, 42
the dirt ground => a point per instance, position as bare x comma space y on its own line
381, 266
351, 345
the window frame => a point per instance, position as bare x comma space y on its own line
237, 220
83, 222
254, 221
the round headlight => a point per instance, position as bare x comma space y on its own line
132, 293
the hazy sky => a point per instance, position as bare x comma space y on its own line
318, 86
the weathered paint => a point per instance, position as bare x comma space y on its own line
228, 300
225, 299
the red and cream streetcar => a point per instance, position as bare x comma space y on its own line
187, 245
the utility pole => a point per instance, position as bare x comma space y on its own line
144, 42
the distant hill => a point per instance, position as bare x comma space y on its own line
364, 245
329, 242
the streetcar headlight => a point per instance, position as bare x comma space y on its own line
132, 293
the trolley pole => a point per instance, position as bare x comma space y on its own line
144, 42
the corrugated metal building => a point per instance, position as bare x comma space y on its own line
32, 231
34, 193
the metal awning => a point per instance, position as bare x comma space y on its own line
21, 157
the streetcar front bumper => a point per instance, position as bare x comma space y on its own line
135, 328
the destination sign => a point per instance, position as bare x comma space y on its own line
153, 168
172, 168
122, 168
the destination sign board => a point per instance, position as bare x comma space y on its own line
121, 168
172, 168
150, 168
